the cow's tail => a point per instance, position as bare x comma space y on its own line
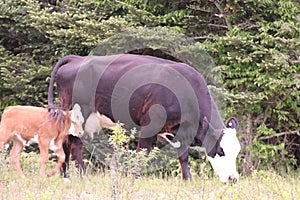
58, 65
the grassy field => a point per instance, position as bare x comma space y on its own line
260, 185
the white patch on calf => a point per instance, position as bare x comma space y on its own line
77, 119
72, 130
27, 142
35, 139
52, 145
19, 137
225, 166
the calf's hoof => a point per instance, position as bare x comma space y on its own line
51, 173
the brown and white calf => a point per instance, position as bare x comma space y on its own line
27, 124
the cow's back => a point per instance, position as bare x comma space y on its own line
147, 81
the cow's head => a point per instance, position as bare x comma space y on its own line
77, 121
226, 152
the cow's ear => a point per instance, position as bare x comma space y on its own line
205, 123
232, 123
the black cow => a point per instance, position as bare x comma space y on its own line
155, 95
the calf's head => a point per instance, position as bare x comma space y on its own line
226, 152
77, 119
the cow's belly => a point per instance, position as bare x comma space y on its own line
133, 108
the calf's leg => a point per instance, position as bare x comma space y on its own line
15, 157
44, 157
4, 136
60, 160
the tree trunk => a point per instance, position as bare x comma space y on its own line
249, 142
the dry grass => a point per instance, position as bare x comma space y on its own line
260, 185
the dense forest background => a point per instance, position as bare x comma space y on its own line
255, 45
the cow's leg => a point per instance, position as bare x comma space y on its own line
145, 143
147, 138
150, 126
65, 165
183, 160
60, 160
186, 138
15, 157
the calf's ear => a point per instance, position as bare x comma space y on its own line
232, 123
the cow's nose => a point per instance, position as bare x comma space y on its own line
232, 179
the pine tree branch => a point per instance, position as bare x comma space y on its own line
204, 37
222, 13
279, 134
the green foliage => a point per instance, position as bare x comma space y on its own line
140, 38
272, 155
152, 41
119, 137
35, 34
24, 86
124, 160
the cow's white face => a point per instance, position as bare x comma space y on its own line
77, 121
225, 166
